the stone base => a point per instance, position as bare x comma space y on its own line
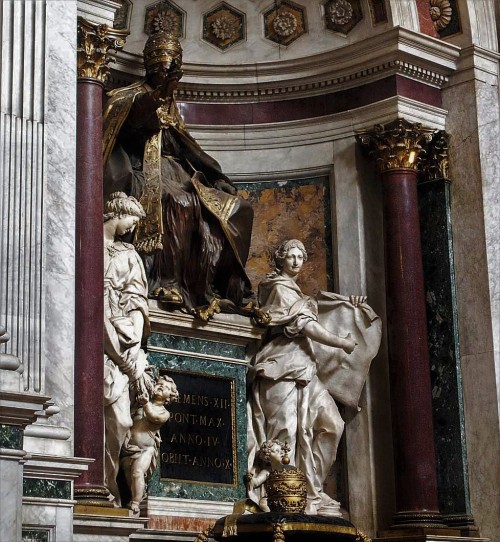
273, 526
182, 515
101, 528
148, 535
422, 534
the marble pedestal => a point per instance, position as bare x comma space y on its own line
203, 457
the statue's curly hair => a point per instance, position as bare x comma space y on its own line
119, 204
282, 251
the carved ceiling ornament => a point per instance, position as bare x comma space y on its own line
284, 22
165, 21
398, 145
340, 12
441, 12
342, 15
164, 16
94, 43
122, 16
224, 26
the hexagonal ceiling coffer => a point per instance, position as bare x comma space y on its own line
224, 26
285, 22
166, 16
342, 15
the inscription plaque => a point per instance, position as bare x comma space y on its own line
199, 441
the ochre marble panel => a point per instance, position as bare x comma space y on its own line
179, 523
295, 209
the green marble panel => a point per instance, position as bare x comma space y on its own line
444, 347
185, 344
31, 535
47, 488
206, 491
11, 437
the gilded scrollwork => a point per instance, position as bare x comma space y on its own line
362, 537
398, 145
436, 163
94, 44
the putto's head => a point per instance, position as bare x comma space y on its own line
273, 450
162, 51
120, 205
282, 252
166, 390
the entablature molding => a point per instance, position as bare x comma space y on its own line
476, 63
314, 131
397, 51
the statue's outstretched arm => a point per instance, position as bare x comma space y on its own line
316, 332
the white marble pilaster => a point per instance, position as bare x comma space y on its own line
22, 28
99, 11
11, 466
357, 216
473, 124
59, 208
405, 14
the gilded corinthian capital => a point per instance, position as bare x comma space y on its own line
397, 145
94, 42
436, 163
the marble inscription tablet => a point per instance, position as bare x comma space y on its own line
199, 441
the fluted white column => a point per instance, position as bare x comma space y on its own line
21, 148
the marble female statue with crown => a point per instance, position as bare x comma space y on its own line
315, 352
195, 235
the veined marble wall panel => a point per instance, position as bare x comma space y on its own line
59, 206
405, 13
474, 191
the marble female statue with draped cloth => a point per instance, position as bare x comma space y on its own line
315, 351
126, 326
196, 233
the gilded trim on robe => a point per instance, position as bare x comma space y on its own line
149, 231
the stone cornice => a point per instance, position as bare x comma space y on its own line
52, 466
230, 328
20, 408
476, 63
397, 51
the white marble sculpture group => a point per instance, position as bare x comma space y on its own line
316, 352
134, 404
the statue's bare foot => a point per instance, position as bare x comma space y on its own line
134, 507
168, 295
206, 312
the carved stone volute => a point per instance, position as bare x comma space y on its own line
94, 43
